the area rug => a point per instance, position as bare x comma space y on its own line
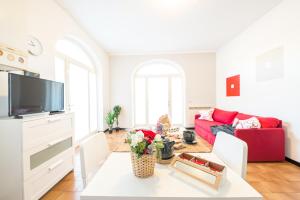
117, 143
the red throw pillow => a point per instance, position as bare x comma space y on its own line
269, 122
223, 116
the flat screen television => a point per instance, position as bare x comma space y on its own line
29, 95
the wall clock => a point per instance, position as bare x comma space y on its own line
34, 46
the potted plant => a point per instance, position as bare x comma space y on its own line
117, 110
110, 119
143, 145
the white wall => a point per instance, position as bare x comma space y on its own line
48, 22
199, 72
11, 17
11, 32
280, 97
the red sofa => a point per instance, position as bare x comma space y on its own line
264, 144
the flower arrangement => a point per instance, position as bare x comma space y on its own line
144, 142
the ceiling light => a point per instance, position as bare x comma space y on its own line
172, 6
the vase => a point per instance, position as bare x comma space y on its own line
143, 166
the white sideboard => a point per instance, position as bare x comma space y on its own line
35, 153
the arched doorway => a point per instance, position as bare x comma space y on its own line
158, 89
74, 67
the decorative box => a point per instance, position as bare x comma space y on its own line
209, 173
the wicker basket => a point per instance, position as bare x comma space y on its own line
144, 166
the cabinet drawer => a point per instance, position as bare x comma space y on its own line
40, 158
40, 183
40, 131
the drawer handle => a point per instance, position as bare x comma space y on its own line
55, 165
54, 120
50, 144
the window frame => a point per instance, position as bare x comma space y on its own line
169, 77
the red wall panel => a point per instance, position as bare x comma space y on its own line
233, 86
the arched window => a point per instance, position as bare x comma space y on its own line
158, 90
74, 67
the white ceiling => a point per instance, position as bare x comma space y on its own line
157, 26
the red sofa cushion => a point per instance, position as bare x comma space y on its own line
205, 125
225, 117
269, 122
266, 122
243, 116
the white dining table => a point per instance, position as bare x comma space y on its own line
115, 181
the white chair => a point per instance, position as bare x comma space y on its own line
232, 151
93, 152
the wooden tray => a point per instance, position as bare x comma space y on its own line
165, 162
201, 169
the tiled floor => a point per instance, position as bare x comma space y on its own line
276, 181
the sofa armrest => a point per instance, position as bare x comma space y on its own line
266, 132
197, 116
265, 144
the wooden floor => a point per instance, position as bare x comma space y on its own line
276, 181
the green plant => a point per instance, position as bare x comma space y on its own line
110, 119
117, 110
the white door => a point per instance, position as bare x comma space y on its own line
176, 100
156, 96
79, 99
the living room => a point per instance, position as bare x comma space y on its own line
114, 75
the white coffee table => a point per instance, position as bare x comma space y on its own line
115, 180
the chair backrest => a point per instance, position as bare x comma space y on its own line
233, 151
93, 152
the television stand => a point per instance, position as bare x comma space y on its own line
31, 115
56, 112
36, 153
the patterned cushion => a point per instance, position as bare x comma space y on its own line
207, 115
252, 122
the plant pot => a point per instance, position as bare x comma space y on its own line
110, 130
143, 166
